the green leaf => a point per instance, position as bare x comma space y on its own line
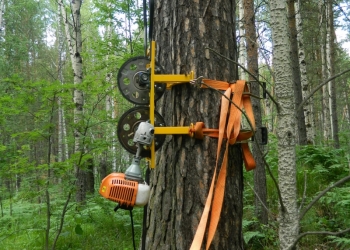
250, 235
78, 229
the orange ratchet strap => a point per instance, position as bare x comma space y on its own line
228, 128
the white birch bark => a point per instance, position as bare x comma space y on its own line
330, 55
75, 48
110, 104
325, 94
329, 67
286, 134
2, 10
242, 48
62, 133
308, 110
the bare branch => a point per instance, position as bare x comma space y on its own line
341, 181
304, 192
320, 86
317, 233
261, 202
247, 71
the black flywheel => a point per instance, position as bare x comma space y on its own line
128, 124
134, 81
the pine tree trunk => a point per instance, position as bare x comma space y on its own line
253, 68
286, 134
184, 166
308, 111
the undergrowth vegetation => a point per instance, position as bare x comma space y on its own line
24, 217
95, 226
318, 168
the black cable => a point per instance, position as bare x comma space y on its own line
132, 229
144, 221
151, 16
131, 218
145, 26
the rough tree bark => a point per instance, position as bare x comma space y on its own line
184, 166
286, 134
253, 68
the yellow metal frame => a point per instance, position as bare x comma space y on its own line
169, 80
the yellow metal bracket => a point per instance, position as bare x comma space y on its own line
169, 80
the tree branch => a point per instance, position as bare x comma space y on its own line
320, 86
341, 181
247, 71
317, 233
261, 202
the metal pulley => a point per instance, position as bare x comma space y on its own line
128, 125
134, 81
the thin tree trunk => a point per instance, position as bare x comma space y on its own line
110, 104
308, 110
301, 129
2, 10
242, 58
347, 104
78, 100
75, 49
61, 146
330, 54
253, 68
325, 94
184, 167
286, 135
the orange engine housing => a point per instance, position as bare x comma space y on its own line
115, 188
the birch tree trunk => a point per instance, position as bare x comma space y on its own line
184, 167
2, 10
111, 112
330, 54
308, 110
325, 94
62, 133
253, 68
78, 99
286, 134
75, 48
242, 58
301, 129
